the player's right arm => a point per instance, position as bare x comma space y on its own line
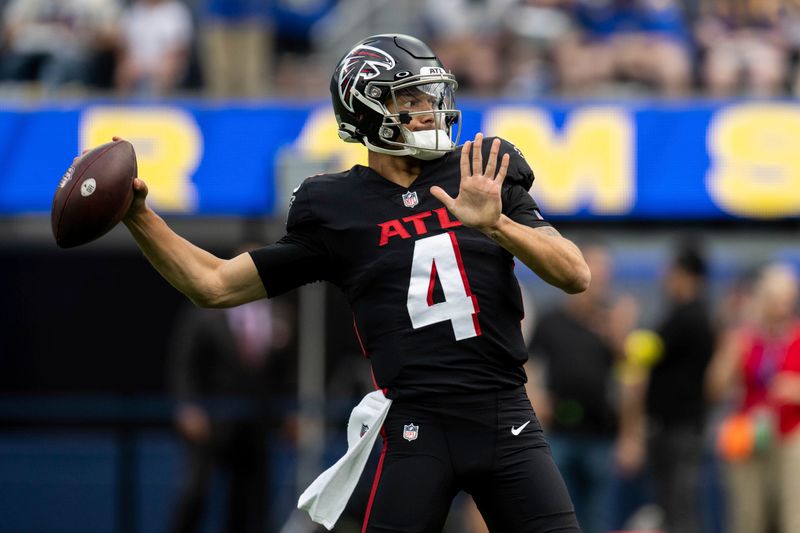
204, 278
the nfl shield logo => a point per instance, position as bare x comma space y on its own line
410, 432
410, 199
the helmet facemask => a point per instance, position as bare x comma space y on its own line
425, 99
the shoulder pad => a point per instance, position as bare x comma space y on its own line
309, 196
519, 172
299, 207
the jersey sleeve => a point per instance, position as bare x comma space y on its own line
299, 257
520, 207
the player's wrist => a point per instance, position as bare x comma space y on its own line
497, 228
137, 216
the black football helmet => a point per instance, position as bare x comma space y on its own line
381, 84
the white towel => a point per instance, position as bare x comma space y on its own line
327, 496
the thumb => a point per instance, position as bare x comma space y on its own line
139, 187
442, 196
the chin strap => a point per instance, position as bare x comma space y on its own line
373, 148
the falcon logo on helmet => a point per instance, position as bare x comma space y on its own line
363, 62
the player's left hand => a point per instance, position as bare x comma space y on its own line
478, 204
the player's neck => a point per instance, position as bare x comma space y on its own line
400, 170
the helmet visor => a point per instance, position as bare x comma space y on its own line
424, 101
420, 116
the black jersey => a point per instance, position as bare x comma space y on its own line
437, 307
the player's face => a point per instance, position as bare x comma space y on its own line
419, 102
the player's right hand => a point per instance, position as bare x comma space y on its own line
138, 206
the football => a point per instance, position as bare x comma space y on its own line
93, 194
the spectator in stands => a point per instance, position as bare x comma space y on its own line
743, 46
674, 399
534, 29
54, 41
576, 348
790, 24
297, 26
156, 40
466, 36
757, 369
643, 41
222, 374
237, 29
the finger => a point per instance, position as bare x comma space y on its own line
465, 159
139, 185
501, 174
491, 164
442, 196
477, 155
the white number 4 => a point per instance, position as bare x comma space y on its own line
438, 256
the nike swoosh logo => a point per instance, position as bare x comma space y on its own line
517, 431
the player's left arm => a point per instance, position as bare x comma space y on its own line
544, 250
479, 205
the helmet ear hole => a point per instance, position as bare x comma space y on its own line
347, 133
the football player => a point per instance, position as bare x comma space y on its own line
422, 243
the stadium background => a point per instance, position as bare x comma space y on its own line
86, 442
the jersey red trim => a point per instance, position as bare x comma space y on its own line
375, 482
358, 336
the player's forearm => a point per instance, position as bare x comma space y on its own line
185, 266
552, 257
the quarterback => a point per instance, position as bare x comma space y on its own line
422, 243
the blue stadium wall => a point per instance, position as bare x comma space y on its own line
604, 160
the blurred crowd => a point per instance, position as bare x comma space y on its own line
718, 48
153, 48
513, 48
688, 422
